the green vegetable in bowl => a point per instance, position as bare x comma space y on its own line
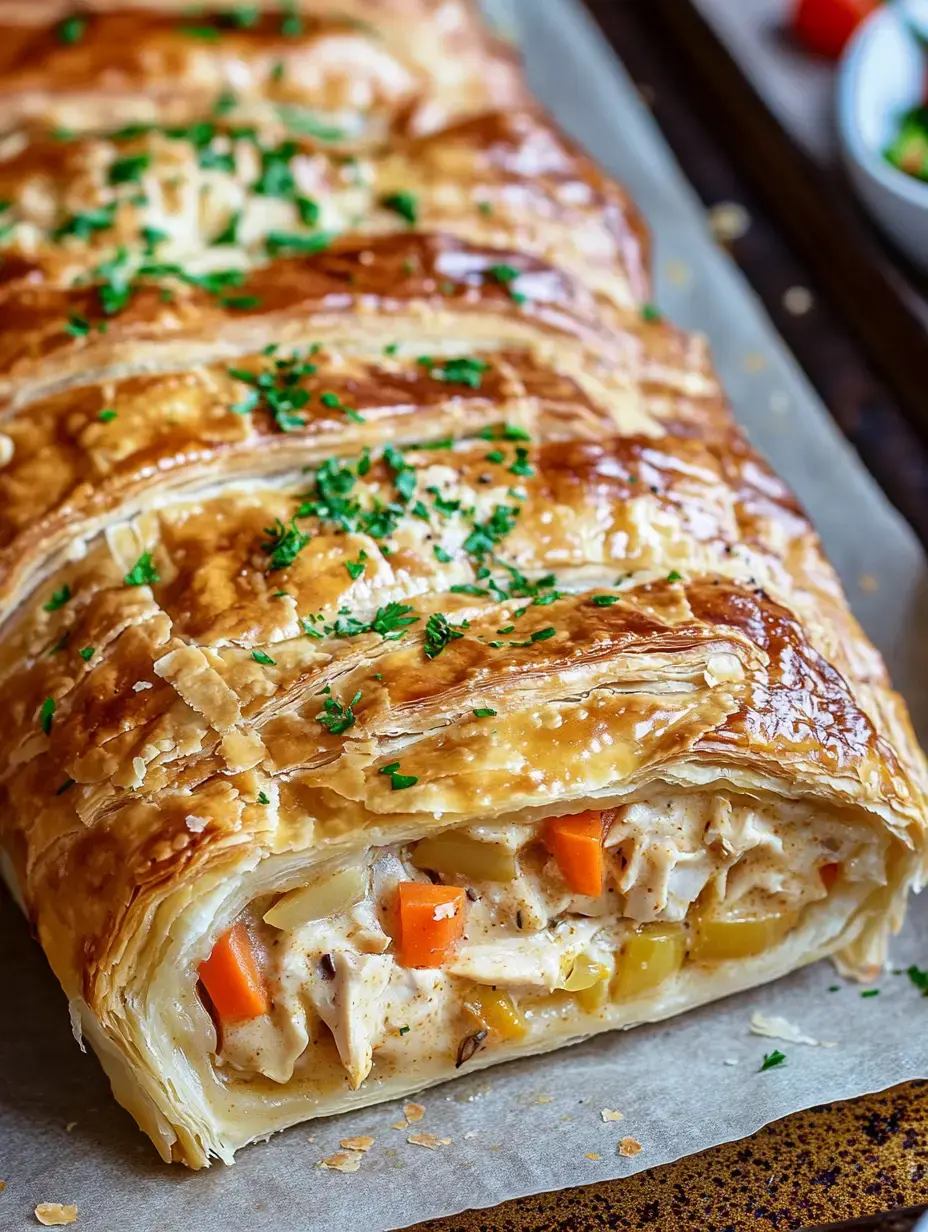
909, 151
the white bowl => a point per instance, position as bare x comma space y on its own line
883, 75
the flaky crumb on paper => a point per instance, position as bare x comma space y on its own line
543, 1099
362, 1143
342, 1161
610, 1114
774, 1027
413, 1112
593, 1155
429, 1141
55, 1215
629, 1147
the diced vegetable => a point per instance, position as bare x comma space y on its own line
650, 955
829, 874
714, 940
232, 979
495, 1010
826, 26
577, 845
909, 150
318, 901
430, 923
468, 857
589, 982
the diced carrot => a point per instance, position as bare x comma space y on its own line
577, 845
431, 923
829, 874
232, 978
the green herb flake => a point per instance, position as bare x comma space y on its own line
398, 781
870, 992
77, 327
263, 798
438, 634
441, 555
463, 370
495, 456
87, 653
486, 713
283, 544
229, 233
206, 34
143, 572
405, 204
605, 600
772, 1060
71, 30
919, 978
404, 1030
505, 432
521, 466
58, 600
356, 567
674, 576
507, 276
46, 714
65, 786
129, 170
265, 659
336, 717
650, 312
485, 208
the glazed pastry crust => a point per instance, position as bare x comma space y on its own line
522, 444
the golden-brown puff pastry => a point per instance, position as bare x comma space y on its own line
407, 663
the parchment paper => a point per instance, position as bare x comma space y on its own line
536, 1124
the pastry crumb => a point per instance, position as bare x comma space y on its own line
2, 1186
729, 221
868, 582
593, 1155
362, 1143
610, 1114
798, 301
772, 1027
55, 1215
399, 1125
342, 1161
413, 1112
543, 1099
429, 1141
71, 1125
629, 1147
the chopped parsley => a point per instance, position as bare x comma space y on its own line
262, 798
107, 415
283, 544
77, 327
356, 567
438, 634
265, 659
71, 30
46, 714
605, 600
398, 781
521, 466
392, 621
405, 204
870, 992
441, 555
307, 124
206, 34
277, 242
485, 207
651, 312
772, 1059
58, 600
507, 276
674, 576
404, 1030
485, 713
486, 535
336, 717
229, 233
129, 169
86, 224
87, 653
277, 389
461, 371
143, 572
919, 978
505, 432
65, 786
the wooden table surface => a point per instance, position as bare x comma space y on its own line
844, 1161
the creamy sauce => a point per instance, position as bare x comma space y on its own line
338, 976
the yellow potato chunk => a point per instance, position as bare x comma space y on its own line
589, 982
650, 955
715, 940
466, 857
494, 1010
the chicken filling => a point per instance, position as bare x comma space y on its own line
475, 937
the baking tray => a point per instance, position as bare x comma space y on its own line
683, 1085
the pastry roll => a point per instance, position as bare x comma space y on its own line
407, 663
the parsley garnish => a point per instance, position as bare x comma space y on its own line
870, 992
356, 567
336, 717
507, 276
405, 204
207, 34
441, 555
277, 242
392, 621
521, 466
77, 327
58, 600
143, 572
772, 1059
68, 783
505, 432
485, 713
605, 600
674, 576
46, 713
485, 535
438, 634
398, 781
299, 120
229, 233
461, 371
277, 389
919, 978
87, 653
265, 659
650, 312
262, 798
485, 207
128, 170
284, 544
72, 30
